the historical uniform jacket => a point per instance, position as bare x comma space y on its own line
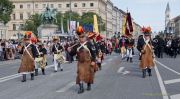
147, 54
57, 47
130, 43
27, 60
85, 71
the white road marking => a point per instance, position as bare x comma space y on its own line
172, 81
9, 77
168, 68
126, 72
103, 63
68, 86
161, 84
120, 70
177, 96
3, 79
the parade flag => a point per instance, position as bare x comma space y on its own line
123, 25
72, 26
62, 28
96, 30
129, 25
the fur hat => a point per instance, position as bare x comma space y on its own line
80, 31
27, 35
146, 31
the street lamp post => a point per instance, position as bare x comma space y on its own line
1, 34
70, 16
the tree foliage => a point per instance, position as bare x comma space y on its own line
6, 8
73, 16
33, 23
87, 18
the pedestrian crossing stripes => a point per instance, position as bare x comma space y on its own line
172, 81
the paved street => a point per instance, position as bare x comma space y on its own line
117, 79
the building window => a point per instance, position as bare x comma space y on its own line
91, 4
21, 16
21, 6
28, 15
44, 5
14, 27
21, 26
83, 5
36, 5
52, 5
14, 16
28, 6
75, 5
60, 5
67, 5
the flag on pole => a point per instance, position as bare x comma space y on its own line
72, 26
96, 30
129, 25
123, 25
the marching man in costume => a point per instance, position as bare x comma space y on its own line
86, 62
122, 46
130, 46
28, 52
57, 51
147, 54
40, 60
43, 50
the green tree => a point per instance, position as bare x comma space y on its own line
87, 18
6, 8
33, 23
59, 18
73, 16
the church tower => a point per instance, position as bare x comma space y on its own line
167, 15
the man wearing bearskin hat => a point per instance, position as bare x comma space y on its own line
147, 54
57, 50
28, 52
130, 45
86, 61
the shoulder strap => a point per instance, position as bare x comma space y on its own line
37, 50
25, 49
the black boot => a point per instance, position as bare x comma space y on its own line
81, 88
127, 59
149, 72
36, 72
32, 76
88, 87
131, 60
24, 78
43, 71
144, 73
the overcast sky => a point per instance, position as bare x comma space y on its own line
149, 12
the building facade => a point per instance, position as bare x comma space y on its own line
177, 25
23, 9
